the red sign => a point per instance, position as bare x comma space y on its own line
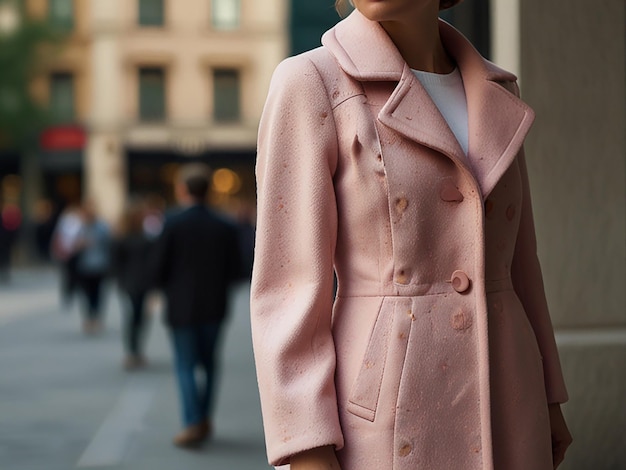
63, 138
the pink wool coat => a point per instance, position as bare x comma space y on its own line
437, 352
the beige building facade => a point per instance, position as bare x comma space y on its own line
178, 82
63, 84
154, 84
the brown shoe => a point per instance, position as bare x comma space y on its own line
134, 362
92, 327
206, 429
89, 327
190, 437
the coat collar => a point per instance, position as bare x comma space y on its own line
498, 120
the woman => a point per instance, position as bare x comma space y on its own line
132, 250
393, 157
92, 246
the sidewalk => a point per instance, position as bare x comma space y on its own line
66, 403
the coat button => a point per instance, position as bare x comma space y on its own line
510, 212
450, 193
460, 281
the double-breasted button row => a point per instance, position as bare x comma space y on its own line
460, 280
509, 212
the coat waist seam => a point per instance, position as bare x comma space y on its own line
437, 288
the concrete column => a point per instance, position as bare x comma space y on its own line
571, 57
105, 166
505, 34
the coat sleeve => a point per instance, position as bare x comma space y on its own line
528, 284
292, 281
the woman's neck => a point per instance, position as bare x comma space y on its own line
419, 43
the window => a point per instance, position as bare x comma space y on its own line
151, 12
226, 95
62, 97
308, 21
225, 14
151, 94
61, 13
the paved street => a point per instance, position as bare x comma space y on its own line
66, 403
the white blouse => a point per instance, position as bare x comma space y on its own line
448, 94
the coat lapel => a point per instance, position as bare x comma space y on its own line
410, 111
498, 120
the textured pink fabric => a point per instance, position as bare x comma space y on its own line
438, 351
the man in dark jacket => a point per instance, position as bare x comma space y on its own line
196, 260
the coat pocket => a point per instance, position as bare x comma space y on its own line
365, 393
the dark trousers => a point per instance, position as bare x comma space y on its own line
69, 278
91, 285
196, 347
134, 323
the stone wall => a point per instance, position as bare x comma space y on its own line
573, 75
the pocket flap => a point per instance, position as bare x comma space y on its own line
366, 389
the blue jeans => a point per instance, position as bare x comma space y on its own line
195, 346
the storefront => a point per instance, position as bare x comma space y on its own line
233, 185
62, 152
58, 173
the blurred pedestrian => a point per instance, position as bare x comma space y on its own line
10, 222
393, 156
154, 210
63, 249
131, 254
196, 260
93, 251
44, 220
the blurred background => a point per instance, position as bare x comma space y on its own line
103, 100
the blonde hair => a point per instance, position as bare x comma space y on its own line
342, 5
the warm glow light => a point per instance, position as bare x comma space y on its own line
226, 181
168, 172
10, 188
